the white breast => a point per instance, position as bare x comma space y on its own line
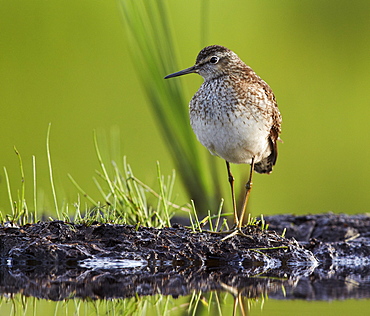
231, 128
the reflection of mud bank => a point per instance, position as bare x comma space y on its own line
60, 283
57, 260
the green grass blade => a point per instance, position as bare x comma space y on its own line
9, 192
153, 51
51, 171
34, 189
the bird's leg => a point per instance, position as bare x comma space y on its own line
231, 181
238, 221
248, 188
239, 301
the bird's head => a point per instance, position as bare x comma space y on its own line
212, 62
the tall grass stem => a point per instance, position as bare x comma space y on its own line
51, 172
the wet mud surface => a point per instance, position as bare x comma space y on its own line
323, 257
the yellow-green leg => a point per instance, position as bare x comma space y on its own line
248, 188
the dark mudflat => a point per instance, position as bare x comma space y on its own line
57, 242
331, 237
57, 260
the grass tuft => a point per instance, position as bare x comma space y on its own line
19, 210
127, 200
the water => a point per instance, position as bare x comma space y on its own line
131, 287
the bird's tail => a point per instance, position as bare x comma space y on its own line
266, 164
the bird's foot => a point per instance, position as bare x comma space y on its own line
236, 231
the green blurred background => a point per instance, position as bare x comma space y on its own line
68, 62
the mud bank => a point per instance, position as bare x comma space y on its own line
316, 260
57, 242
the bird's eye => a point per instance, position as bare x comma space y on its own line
214, 60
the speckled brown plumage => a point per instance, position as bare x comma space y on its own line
234, 113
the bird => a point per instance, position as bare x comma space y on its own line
234, 114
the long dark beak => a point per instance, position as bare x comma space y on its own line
186, 71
